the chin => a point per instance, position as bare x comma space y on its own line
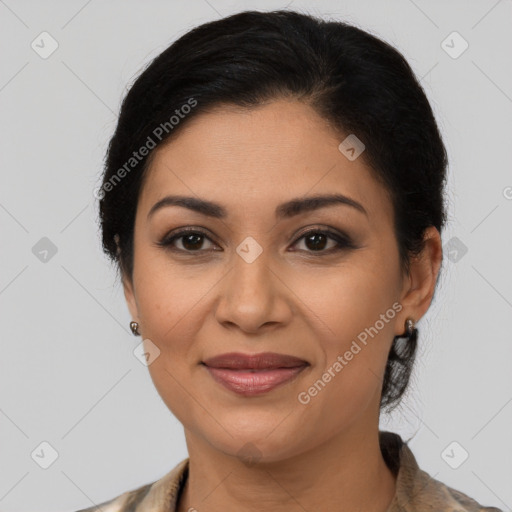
262, 443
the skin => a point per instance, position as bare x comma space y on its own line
290, 299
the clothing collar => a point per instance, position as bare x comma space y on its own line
415, 489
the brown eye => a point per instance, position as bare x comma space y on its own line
316, 240
190, 240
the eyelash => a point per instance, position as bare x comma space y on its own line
342, 241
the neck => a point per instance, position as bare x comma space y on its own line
346, 472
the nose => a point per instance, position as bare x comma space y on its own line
253, 296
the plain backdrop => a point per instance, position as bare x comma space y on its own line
72, 394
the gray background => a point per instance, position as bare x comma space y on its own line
68, 374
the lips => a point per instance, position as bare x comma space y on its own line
250, 375
262, 361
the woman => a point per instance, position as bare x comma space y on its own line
273, 197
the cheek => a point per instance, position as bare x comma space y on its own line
347, 299
172, 312
171, 315
170, 299
353, 311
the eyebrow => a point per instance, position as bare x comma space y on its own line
283, 211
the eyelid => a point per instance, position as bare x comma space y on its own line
342, 240
166, 241
320, 229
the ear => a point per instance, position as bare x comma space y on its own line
129, 295
419, 285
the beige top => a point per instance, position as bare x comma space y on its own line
416, 490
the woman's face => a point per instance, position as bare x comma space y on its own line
251, 282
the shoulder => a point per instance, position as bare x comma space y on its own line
431, 494
468, 503
158, 496
124, 502
416, 489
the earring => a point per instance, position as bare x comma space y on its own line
116, 240
409, 328
134, 326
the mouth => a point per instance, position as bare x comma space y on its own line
256, 374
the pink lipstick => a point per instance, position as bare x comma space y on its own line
254, 374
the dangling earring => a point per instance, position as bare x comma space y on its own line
134, 326
409, 328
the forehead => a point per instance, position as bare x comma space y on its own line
260, 157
